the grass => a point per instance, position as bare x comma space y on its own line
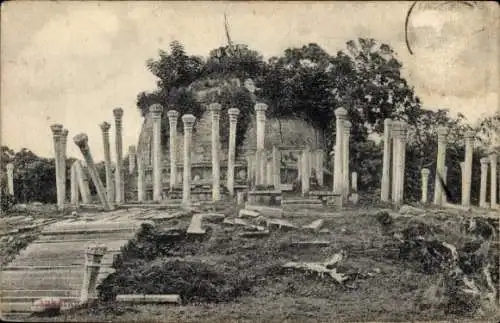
223, 277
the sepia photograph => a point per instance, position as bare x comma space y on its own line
250, 161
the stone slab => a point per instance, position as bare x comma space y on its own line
314, 226
279, 224
248, 214
195, 227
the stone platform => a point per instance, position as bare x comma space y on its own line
54, 264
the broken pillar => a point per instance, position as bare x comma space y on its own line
83, 182
215, 109
320, 156
440, 165
119, 194
107, 162
345, 159
57, 134
396, 160
188, 121
403, 138
251, 168
305, 170
173, 116
81, 140
493, 182
341, 115
469, 149
93, 257
64, 141
425, 184
10, 178
386, 163
233, 121
156, 110
269, 172
484, 182
131, 159
354, 182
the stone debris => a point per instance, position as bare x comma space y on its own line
248, 214
410, 210
235, 221
49, 306
314, 226
214, 217
318, 268
313, 243
278, 224
145, 299
195, 227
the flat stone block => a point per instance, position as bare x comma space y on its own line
313, 243
195, 227
143, 299
314, 226
278, 224
248, 214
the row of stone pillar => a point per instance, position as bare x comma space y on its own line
188, 123
394, 158
341, 154
466, 170
60, 137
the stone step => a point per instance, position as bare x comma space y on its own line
64, 249
31, 299
38, 293
90, 236
76, 260
267, 211
45, 281
301, 201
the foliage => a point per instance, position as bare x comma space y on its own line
8, 201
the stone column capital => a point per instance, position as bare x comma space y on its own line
131, 149
105, 126
469, 135
493, 157
10, 166
214, 108
341, 113
64, 134
172, 115
442, 133
156, 110
118, 113
484, 161
395, 129
260, 108
387, 122
425, 171
188, 121
56, 130
81, 140
233, 114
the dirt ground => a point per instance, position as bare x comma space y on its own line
224, 277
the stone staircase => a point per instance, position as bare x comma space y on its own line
54, 264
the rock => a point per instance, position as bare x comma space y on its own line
314, 226
410, 210
195, 227
278, 224
248, 213
48, 305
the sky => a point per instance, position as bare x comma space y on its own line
74, 62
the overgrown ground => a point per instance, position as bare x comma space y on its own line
223, 277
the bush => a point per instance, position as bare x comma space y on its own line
8, 202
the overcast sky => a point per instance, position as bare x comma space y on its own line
73, 62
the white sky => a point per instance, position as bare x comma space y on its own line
73, 62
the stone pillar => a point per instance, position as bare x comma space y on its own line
215, 109
251, 169
462, 181
445, 174
269, 173
74, 185
305, 170
93, 257
354, 182
131, 159
345, 159
233, 121
188, 121
403, 137
141, 190
83, 182
484, 180
276, 168
10, 178
493, 182
173, 116
440, 165
340, 115
81, 140
260, 110
425, 184
107, 162
395, 134
386, 163
155, 110
57, 134
469, 148
119, 194
64, 142
320, 156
